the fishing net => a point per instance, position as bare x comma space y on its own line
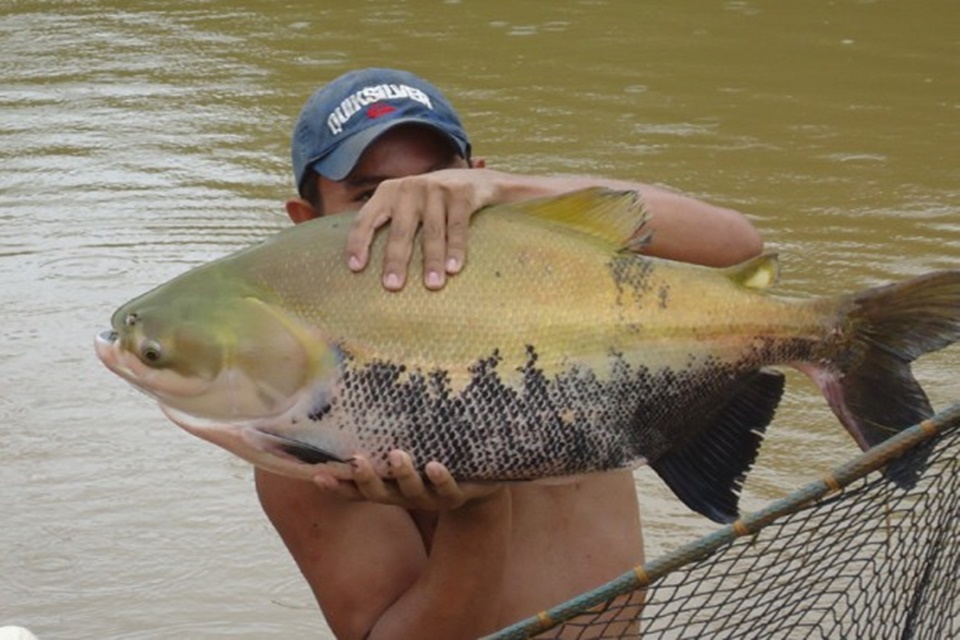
849, 556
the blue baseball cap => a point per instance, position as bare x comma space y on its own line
342, 118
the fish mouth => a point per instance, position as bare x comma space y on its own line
157, 383
284, 446
106, 346
104, 343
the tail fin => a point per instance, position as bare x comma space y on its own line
872, 389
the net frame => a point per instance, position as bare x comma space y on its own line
848, 555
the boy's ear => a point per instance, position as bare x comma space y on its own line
300, 210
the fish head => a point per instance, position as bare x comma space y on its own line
217, 355
230, 363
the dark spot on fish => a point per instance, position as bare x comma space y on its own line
322, 405
531, 354
631, 276
317, 414
663, 295
439, 384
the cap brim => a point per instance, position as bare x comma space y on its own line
338, 164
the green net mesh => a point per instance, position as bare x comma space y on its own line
848, 556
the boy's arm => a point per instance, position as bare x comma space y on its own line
371, 572
442, 202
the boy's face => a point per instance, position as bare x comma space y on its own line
405, 150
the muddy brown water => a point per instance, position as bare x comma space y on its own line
137, 140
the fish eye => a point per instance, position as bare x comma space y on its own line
150, 352
130, 320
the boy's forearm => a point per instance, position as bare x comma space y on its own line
458, 593
684, 228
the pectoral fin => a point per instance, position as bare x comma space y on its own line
283, 446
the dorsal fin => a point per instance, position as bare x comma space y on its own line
615, 217
756, 273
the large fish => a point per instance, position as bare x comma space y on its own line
559, 350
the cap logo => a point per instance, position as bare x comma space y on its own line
379, 109
355, 102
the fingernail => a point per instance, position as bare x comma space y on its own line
453, 265
325, 482
434, 280
433, 474
391, 281
354, 263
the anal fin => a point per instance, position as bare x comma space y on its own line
707, 472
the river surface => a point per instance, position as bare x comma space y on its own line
137, 140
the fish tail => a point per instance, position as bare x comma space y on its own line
871, 387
